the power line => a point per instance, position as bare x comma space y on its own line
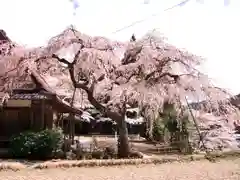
182, 3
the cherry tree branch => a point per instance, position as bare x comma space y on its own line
88, 90
130, 56
162, 63
174, 76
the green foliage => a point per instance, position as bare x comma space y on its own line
37, 145
97, 154
169, 117
22, 144
170, 121
184, 124
110, 153
165, 121
158, 129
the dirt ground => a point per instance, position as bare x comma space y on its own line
198, 170
139, 144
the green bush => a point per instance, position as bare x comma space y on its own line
97, 154
110, 153
158, 130
37, 145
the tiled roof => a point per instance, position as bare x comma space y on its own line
3, 36
30, 96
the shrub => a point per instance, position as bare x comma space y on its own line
97, 154
21, 145
158, 130
37, 145
110, 153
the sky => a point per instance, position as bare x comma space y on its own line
204, 27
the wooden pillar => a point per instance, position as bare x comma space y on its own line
31, 118
61, 120
42, 114
58, 116
35, 119
72, 126
49, 116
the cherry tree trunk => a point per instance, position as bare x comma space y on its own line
123, 142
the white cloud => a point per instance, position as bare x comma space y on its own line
208, 29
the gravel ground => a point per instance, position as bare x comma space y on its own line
199, 170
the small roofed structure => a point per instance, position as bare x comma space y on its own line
24, 110
92, 122
27, 103
3, 36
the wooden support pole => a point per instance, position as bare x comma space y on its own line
72, 116
196, 125
49, 116
31, 118
58, 116
42, 113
